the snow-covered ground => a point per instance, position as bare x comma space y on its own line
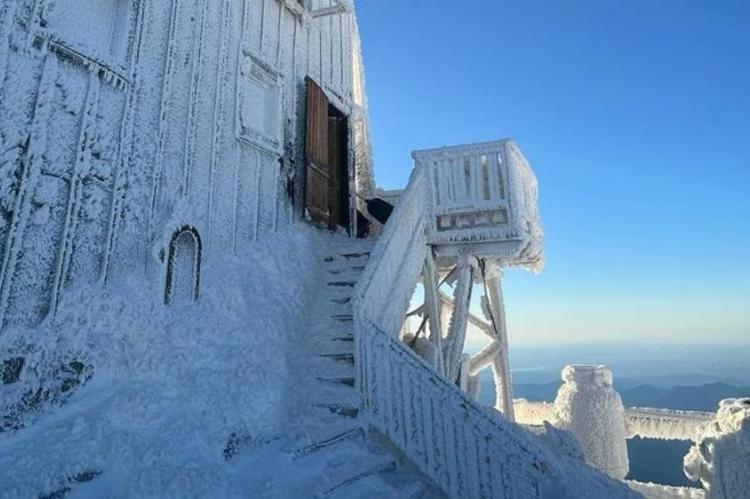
171, 390
220, 398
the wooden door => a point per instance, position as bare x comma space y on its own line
317, 156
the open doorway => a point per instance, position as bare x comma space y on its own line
327, 191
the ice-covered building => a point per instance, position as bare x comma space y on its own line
198, 296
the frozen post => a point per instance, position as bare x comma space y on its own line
500, 364
720, 458
589, 407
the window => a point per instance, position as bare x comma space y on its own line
100, 26
259, 120
183, 267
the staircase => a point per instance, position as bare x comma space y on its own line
354, 462
333, 344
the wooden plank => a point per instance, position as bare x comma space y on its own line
317, 186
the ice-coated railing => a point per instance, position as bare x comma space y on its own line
464, 450
645, 422
388, 281
719, 457
665, 424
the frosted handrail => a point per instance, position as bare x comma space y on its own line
454, 441
665, 424
645, 422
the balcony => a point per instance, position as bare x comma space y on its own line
483, 203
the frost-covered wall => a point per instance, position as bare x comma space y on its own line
124, 119
159, 401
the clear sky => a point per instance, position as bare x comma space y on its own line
635, 117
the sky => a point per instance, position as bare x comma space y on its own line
635, 117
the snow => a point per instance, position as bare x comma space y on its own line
665, 424
720, 458
657, 491
533, 413
588, 406
116, 136
170, 389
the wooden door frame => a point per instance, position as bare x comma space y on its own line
345, 112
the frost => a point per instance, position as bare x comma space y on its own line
720, 458
118, 381
592, 410
665, 424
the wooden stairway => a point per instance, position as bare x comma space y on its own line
333, 344
356, 463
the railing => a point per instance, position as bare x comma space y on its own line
467, 450
648, 423
665, 424
463, 449
715, 459
388, 281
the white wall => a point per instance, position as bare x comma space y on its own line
107, 145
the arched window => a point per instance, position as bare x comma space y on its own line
183, 267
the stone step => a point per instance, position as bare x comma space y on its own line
343, 317
347, 411
355, 254
346, 380
344, 283
355, 261
328, 369
341, 270
354, 433
346, 300
332, 347
350, 474
338, 267
347, 358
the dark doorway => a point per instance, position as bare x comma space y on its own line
327, 161
338, 151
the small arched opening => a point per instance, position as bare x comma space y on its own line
183, 267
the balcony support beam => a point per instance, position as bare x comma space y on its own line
454, 345
433, 306
495, 309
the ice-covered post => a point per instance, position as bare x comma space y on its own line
589, 407
433, 305
453, 347
720, 458
495, 312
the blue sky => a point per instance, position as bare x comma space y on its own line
636, 119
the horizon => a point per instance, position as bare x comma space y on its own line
646, 230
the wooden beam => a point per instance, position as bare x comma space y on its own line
432, 305
459, 320
500, 366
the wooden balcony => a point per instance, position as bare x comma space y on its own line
483, 202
